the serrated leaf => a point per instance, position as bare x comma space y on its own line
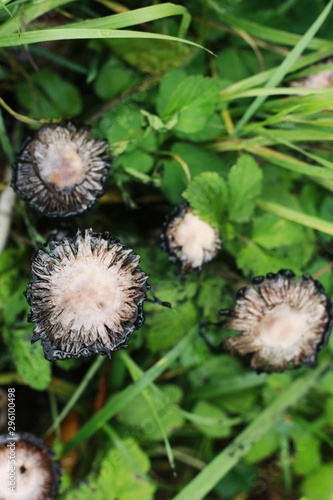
194, 100
208, 196
117, 479
29, 360
52, 96
245, 184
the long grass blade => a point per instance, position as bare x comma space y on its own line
117, 402
286, 65
267, 420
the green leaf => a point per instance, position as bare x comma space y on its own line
193, 100
117, 478
270, 232
307, 456
319, 484
142, 422
208, 196
113, 78
29, 359
218, 426
174, 323
123, 129
263, 448
251, 258
245, 184
50, 97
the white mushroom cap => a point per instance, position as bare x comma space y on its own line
86, 296
282, 321
319, 80
61, 171
27, 469
189, 241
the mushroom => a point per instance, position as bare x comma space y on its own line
189, 241
27, 469
86, 296
281, 320
319, 80
61, 170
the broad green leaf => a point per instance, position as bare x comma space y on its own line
270, 232
165, 56
193, 100
50, 97
208, 196
253, 259
245, 184
113, 78
221, 427
117, 479
123, 129
174, 323
29, 359
319, 484
139, 418
200, 160
263, 448
307, 455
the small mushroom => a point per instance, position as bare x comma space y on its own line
61, 170
281, 320
189, 241
27, 469
86, 296
319, 80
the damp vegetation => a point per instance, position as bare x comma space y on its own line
166, 225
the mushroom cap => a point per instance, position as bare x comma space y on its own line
61, 170
33, 474
86, 296
189, 241
282, 321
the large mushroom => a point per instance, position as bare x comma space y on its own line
281, 321
61, 170
27, 468
189, 241
86, 296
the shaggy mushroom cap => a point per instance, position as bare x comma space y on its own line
189, 241
282, 321
86, 296
61, 171
319, 80
27, 469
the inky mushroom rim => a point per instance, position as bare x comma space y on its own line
37, 475
192, 249
61, 170
86, 296
281, 321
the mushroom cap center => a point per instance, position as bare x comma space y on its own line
61, 166
195, 237
89, 292
282, 326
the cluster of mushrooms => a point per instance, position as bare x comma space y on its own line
61, 171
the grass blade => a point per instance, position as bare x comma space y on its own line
287, 63
115, 403
298, 217
268, 419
